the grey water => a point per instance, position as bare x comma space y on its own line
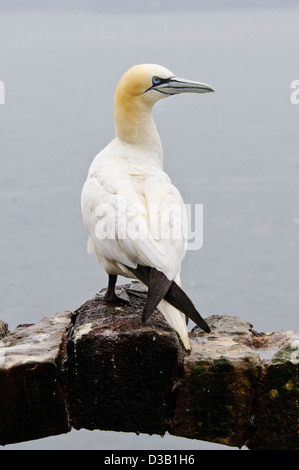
235, 151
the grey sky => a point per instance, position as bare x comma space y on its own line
137, 6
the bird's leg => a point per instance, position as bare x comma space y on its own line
110, 295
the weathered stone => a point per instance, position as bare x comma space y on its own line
231, 381
3, 329
217, 391
276, 408
121, 372
32, 390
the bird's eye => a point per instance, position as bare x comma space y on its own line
156, 80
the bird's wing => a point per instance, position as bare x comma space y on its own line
166, 214
135, 219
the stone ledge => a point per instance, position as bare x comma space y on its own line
101, 368
33, 398
229, 382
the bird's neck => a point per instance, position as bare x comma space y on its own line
134, 124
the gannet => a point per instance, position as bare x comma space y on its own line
129, 205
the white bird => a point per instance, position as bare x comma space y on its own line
134, 215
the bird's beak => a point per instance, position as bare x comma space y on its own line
175, 85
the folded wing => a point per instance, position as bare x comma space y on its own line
135, 219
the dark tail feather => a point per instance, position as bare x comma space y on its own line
178, 299
141, 272
174, 295
158, 285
